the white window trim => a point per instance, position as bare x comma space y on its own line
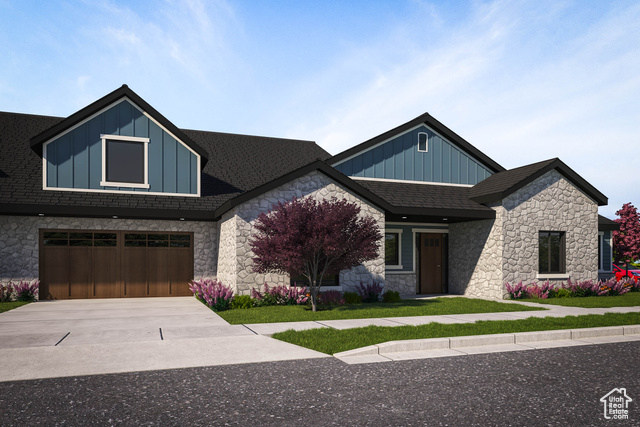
145, 141
427, 135
399, 233
553, 276
407, 181
601, 268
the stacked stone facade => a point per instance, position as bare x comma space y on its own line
235, 263
405, 284
19, 246
484, 255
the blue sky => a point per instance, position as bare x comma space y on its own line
523, 81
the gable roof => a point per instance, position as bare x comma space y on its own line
122, 92
237, 163
500, 185
434, 124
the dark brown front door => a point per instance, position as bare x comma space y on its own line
107, 264
431, 250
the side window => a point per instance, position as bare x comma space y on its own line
125, 161
423, 142
393, 248
551, 252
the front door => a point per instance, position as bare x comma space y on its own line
431, 265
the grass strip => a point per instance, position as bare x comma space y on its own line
333, 341
627, 300
405, 308
6, 306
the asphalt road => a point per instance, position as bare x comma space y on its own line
560, 386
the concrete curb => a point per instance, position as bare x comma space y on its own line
478, 341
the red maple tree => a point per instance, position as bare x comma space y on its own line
313, 239
626, 242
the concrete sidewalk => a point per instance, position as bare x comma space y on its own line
552, 311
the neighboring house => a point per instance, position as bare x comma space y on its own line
116, 201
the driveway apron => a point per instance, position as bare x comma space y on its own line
82, 337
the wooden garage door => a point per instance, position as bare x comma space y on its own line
111, 264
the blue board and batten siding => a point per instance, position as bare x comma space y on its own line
74, 160
400, 159
407, 246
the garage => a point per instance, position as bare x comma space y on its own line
114, 264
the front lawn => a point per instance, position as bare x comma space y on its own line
331, 341
6, 306
428, 307
627, 300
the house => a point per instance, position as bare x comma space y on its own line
116, 201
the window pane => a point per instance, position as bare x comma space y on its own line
105, 242
56, 235
135, 237
391, 249
180, 237
48, 242
125, 162
600, 237
180, 244
80, 243
158, 243
158, 237
554, 252
544, 252
422, 142
83, 236
135, 243
105, 236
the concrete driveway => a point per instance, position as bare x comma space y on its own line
83, 337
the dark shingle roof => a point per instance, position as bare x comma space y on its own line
434, 124
605, 223
237, 163
500, 185
428, 200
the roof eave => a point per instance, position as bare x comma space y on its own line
104, 212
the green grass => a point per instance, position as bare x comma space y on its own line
429, 307
333, 341
6, 306
627, 300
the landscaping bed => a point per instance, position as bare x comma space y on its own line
404, 308
331, 341
627, 300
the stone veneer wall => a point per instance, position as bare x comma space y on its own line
20, 243
550, 203
485, 254
235, 263
405, 284
475, 258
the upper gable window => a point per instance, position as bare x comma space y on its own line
423, 142
125, 161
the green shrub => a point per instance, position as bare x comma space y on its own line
391, 296
352, 298
562, 293
242, 301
